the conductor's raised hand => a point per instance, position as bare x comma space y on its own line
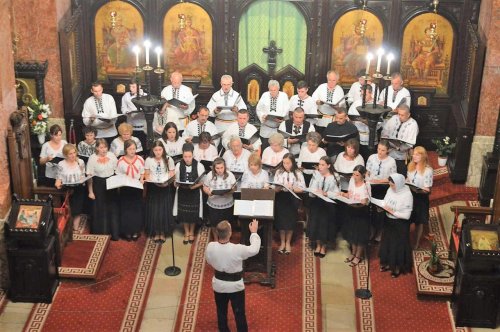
253, 226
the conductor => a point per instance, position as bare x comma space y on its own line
227, 260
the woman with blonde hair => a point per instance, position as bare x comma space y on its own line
255, 177
274, 153
125, 131
420, 177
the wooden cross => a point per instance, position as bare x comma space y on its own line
272, 50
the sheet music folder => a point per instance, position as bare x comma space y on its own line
340, 138
251, 140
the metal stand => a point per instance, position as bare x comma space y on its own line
365, 293
173, 270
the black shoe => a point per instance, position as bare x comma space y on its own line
136, 237
395, 274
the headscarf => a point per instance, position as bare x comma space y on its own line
399, 181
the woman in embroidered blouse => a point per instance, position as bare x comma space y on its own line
310, 153
379, 166
105, 211
131, 205
157, 169
286, 205
347, 160
125, 131
70, 171
86, 148
357, 224
420, 174
188, 204
274, 153
50, 150
220, 207
236, 158
255, 177
171, 140
395, 250
204, 150
322, 226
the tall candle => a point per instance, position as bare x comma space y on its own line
147, 45
390, 57
158, 52
369, 58
136, 50
380, 52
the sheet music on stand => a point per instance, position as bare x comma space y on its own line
258, 209
121, 180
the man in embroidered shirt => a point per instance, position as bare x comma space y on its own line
296, 126
201, 124
136, 119
227, 260
99, 112
326, 95
396, 93
225, 103
176, 90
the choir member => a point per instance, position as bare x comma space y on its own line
395, 251
225, 104
357, 227
402, 128
50, 150
274, 153
188, 205
220, 206
200, 125
236, 157
396, 93
378, 168
171, 140
356, 91
131, 209
347, 160
204, 150
125, 131
310, 153
99, 112
134, 117
86, 148
420, 174
105, 214
272, 103
255, 177
289, 178
327, 94
296, 126
178, 114
244, 130
71, 171
304, 101
322, 227
158, 217
340, 127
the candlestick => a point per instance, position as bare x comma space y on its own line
380, 52
136, 50
147, 45
158, 52
369, 58
390, 57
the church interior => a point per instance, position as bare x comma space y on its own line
59, 272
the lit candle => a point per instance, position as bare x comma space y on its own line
147, 45
390, 57
136, 50
380, 52
158, 52
369, 58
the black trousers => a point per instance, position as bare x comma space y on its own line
237, 303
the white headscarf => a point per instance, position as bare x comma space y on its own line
399, 181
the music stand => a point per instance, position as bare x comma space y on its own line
173, 270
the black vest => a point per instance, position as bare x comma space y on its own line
289, 127
185, 176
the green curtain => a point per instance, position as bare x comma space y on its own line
276, 20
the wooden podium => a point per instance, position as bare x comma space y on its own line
259, 268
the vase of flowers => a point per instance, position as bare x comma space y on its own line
444, 147
39, 116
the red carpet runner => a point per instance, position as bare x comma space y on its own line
115, 301
294, 305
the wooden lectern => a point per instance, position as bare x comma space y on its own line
259, 268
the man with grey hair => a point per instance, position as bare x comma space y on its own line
396, 93
178, 114
225, 103
272, 109
328, 97
405, 129
227, 260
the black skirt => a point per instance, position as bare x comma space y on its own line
76, 199
158, 216
105, 210
131, 211
285, 211
357, 225
420, 213
322, 225
395, 250
188, 206
217, 215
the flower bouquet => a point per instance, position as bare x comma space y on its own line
444, 146
38, 116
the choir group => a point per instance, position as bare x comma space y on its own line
311, 150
